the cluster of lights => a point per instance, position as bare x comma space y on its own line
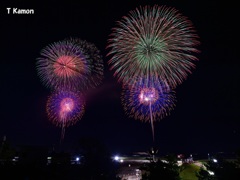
76, 160
118, 159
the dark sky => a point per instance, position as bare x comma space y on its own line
206, 117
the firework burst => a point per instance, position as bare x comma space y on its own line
148, 101
137, 99
71, 64
153, 41
65, 108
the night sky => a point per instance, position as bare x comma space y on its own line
206, 117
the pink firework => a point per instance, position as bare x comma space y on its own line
66, 106
148, 96
65, 67
71, 64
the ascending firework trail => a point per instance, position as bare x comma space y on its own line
65, 108
156, 44
148, 101
69, 67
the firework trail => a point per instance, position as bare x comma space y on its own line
153, 41
148, 101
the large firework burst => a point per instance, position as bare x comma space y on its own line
148, 100
137, 99
71, 63
65, 108
153, 41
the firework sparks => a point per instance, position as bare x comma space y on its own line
71, 64
148, 101
153, 41
65, 108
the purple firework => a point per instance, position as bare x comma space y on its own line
65, 108
148, 101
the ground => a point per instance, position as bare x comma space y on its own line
189, 171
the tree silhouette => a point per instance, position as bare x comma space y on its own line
6, 152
